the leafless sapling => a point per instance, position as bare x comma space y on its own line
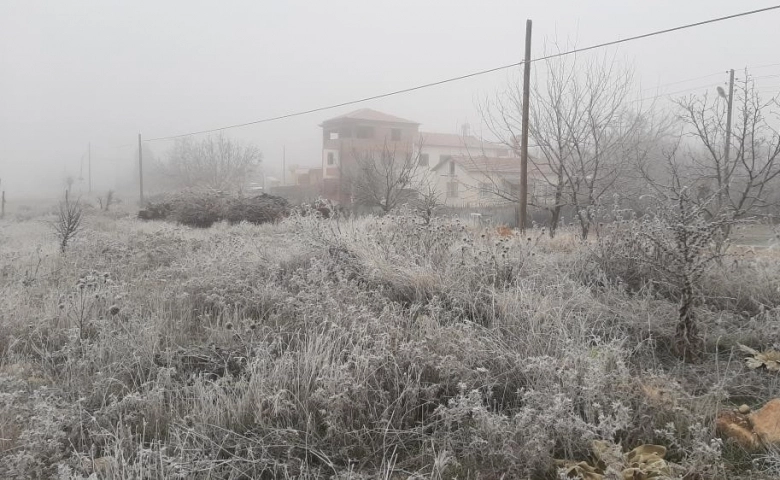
68, 223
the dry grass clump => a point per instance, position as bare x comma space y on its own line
342, 348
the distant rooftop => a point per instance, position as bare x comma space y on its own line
455, 140
507, 167
370, 115
481, 163
503, 165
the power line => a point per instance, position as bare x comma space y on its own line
765, 66
470, 75
706, 86
676, 82
681, 81
678, 91
675, 92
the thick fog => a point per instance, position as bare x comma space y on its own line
80, 72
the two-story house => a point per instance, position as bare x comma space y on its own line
346, 138
462, 167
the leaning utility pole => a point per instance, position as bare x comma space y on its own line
141, 169
524, 147
89, 165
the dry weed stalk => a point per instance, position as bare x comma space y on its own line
68, 223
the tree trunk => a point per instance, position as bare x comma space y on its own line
688, 343
555, 217
585, 229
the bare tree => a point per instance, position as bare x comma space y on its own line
216, 162
671, 246
386, 178
107, 202
427, 198
744, 181
583, 131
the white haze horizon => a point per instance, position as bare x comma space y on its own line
100, 72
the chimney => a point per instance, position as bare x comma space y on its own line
465, 130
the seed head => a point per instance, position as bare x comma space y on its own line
113, 309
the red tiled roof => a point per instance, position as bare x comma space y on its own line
370, 115
455, 140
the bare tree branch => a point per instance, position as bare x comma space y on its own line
215, 162
583, 131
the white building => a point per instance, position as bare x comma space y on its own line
481, 181
438, 147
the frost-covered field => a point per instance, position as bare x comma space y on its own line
368, 348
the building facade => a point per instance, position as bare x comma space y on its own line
437, 147
362, 133
464, 169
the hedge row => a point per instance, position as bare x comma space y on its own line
202, 208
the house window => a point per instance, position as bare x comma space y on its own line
423, 160
395, 134
485, 189
333, 135
452, 189
364, 132
452, 168
331, 158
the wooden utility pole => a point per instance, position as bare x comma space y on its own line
722, 175
141, 169
89, 165
727, 153
522, 216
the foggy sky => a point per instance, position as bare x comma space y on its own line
73, 72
